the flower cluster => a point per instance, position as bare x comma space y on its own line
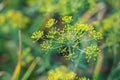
92, 52
47, 45
96, 35
63, 73
13, 18
53, 33
50, 23
37, 35
67, 19
70, 38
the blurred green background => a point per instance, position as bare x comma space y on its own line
32, 16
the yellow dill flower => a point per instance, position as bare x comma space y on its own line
46, 45
83, 27
96, 35
63, 50
68, 39
61, 73
53, 33
37, 35
50, 23
92, 52
67, 19
70, 75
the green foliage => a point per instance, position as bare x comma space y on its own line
54, 6
115, 73
85, 45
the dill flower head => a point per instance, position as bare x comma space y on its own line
46, 45
61, 73
92, 51
96, 35
67, 19
37, 35
70, 38
53, 33
50, 23
83, 27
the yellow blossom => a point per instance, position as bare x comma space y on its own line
69, 39
92, 51
50, 23
96, 35
67, 19
37, 35
47, 45
61, 73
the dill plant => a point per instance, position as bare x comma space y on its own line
73, 40
69, 39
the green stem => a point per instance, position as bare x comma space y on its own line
115, 54
115, 50
69, 50
77, 61
98, 66
30, 69
17, 70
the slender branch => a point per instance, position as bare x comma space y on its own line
98, 67
31, 68
20, 39
18, 66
